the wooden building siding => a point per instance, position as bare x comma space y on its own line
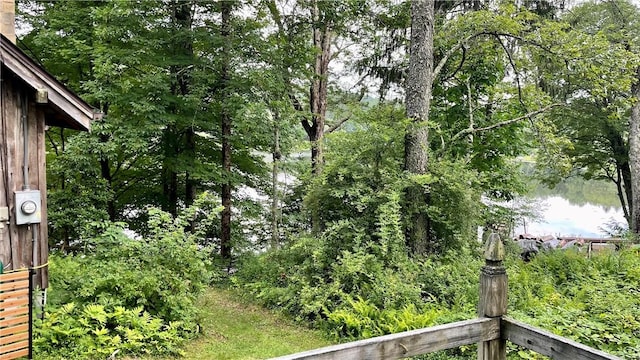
16, 250
65, 108
21, 78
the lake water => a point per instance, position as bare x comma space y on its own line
561, 217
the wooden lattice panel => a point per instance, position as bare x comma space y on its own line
14, 315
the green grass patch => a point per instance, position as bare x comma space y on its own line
234, 329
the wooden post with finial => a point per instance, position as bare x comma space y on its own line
493, 295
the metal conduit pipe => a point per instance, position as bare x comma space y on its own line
25, 134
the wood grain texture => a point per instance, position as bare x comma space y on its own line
14, 294
18, 275
549, 344
23, 301
14, 285
11, 129
16, 247
493, 292
15, 354
14, 311
42, 274
15, 320
410, 343
14, 329
493, 297
5, 340
13, 347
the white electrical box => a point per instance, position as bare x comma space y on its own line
28, 207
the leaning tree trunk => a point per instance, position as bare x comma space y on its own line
418, 98
634, 159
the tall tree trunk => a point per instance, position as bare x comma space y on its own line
634, 159
621, 155
190, 183
169, 175
621, 189
226, 125
179, 139
275, 207
313, 120
318, 91
318, 99
418, 99
105, 171
184, 20
625, 171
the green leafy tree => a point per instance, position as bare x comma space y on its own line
155, 70
594, 72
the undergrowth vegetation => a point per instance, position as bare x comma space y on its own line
126, 295
595, 301
592, 300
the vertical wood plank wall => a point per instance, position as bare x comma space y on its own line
16, 249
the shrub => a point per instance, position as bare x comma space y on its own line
591, 300
124, 294
357, 295
98, 331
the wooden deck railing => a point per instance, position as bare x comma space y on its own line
491, 330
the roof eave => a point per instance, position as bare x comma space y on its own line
72, 111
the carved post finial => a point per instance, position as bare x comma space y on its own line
493, 295
494, 249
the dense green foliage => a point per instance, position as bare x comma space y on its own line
153, 70
592, 300
193, 103
126, 295
201, 99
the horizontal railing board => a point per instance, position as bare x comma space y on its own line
13, 347
18, 275
14, 311
14, 329
14, 321
549, 344
14, 315
13, 285
409, 343
10, 303
14, 294
14, 338
15, 354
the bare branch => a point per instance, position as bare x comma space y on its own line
337, 125
275, 15
453, 50
502, 123
463, 42
53, 143
515, 71
455, 72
